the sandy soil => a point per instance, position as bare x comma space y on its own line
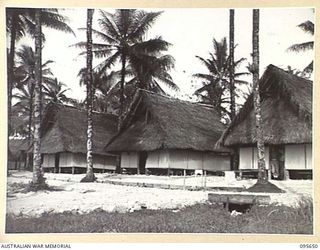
85, 197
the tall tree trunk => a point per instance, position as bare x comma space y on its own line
31, 110
231, 66
13, 33
90, 175
38, 179
123, 73
41, 94
262, 175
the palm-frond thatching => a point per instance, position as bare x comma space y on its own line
286, 107
17, 146
65, 127
159, 122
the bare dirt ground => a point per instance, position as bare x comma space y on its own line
73, 196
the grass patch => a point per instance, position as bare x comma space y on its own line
200, 218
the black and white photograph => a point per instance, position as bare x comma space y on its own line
160, 120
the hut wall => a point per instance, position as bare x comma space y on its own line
129, 160
80, 160
195, 160
67, 160
309, 156
213, 162
178, 159
48, 161
249, 158
298, 156
183, 159
158, 159
246, 158
104, 162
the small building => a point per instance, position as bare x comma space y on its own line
17, 154
64, 140
286, 109
162, 135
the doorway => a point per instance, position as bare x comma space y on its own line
276, 161
142, 162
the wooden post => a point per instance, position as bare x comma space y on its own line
202, 179
205, 179
227, 204
184, 178
72, 170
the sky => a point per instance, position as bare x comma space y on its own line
191, 31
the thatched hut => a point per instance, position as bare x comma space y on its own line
286, 107
64, 134
17, 153
162, 134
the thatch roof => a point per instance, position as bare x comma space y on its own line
17, 146
156, 122
286, 107
64, 129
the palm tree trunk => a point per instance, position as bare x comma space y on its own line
13, 34
123, 73
90, 175
231, 67
37, 180
262, 175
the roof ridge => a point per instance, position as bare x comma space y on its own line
79, 109
177, 99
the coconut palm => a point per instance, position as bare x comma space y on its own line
52, 19
122, 34
25, 81
18, 23
254, 69
216, 80
89, 84
55, 91
231, 66
307, 27
38, 180
24, 105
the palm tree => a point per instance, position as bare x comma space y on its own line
307, 27
254, 69
21, 21
25, 81
24, 105
231, 66
122, 34
18, 23
89, 84
38, 180
49, 18
216, 80
55, 92
149, 71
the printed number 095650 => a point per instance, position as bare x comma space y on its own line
309, 246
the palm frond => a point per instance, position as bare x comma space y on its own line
143, 22
107, 24
307, 27
301, 47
